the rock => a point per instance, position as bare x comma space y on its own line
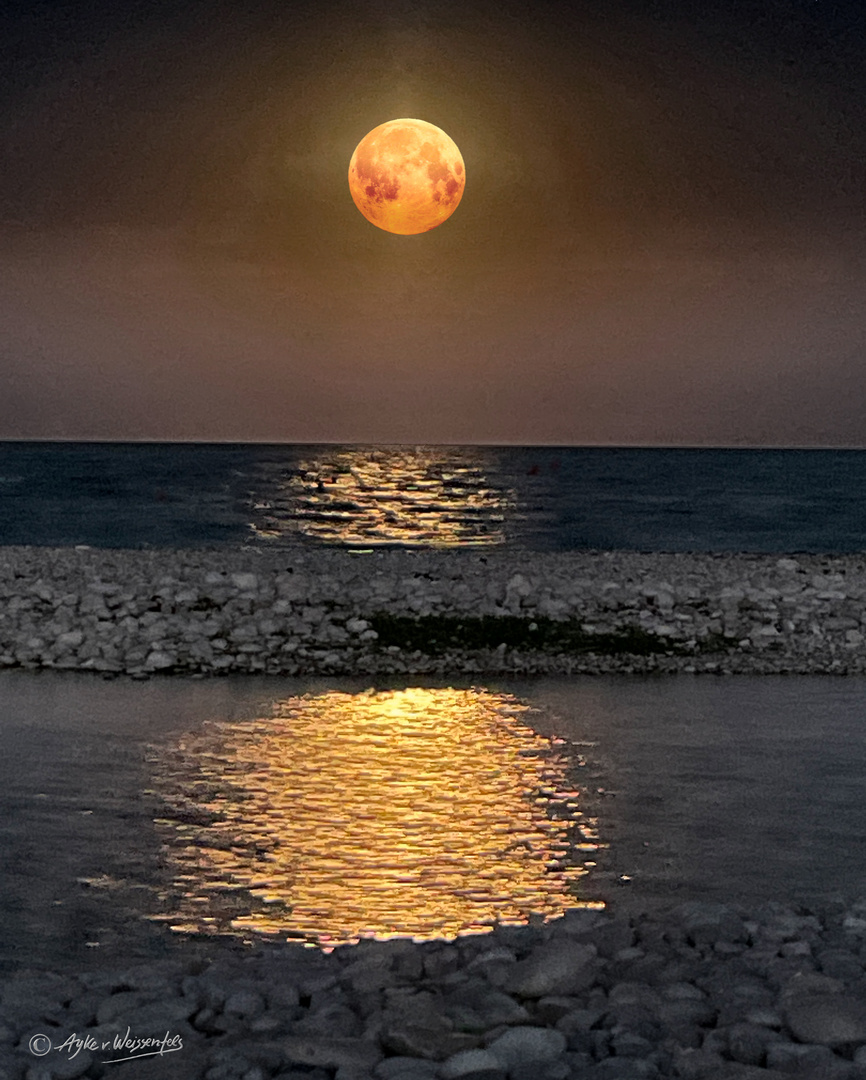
245, 582
245, 1003
663, 598
549, 1010
64, 1066
331, 1018
578, 1020
630, 992
420, 1009
536, 1070
475, 1008
735, 1071
623, 1069
472, 1062
764, 1017
527, 1044
682, 991
122, 1004
518, 586
691, 1064
797, 1057
493, 964
71, 639
579, 922
158, 660
710, 923
441, 960
188, 1063
404, 1067
627, 1044
795, 948
611, 938
11, 1065
684, 1036
747, 1043
840, 964
827, 1019
809, 984
413, 1040
557, 967
330, 1053
281, 996
369, 974
158, 1017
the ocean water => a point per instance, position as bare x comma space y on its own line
135, 495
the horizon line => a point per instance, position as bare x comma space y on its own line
91, 441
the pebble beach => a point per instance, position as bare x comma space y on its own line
700, 990
146, 612
704, 992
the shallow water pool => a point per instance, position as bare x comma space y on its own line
138, 815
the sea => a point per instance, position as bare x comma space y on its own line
537, 498
739, 788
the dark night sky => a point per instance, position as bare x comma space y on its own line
662, 237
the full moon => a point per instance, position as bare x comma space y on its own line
407, 176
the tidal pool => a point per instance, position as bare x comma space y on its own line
324, 810
423, 812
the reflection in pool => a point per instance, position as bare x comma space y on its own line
419, 812
409, 496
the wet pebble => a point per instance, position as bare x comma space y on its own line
368, 1012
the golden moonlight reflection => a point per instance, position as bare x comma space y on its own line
412, 496
418, 812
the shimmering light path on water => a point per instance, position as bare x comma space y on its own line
411, 497
421, 812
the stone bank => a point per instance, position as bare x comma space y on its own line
305, 612
701, 992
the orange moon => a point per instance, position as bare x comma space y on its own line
407, 176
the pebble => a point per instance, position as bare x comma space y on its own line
470, 1062
144, 613
520, 1045
559, 967
828, 1019
280, 1010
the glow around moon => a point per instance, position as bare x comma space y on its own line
407, 176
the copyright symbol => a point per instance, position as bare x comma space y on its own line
40, 1045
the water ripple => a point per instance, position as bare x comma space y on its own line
411, 497
419, 812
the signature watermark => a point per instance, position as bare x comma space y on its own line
124, 1047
